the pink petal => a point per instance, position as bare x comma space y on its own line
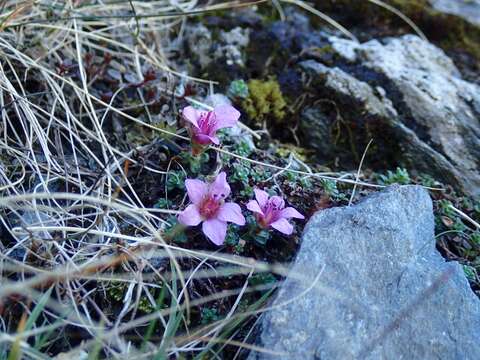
253, 206
215, 140
190, 216
215, 230
283, 226
290, 212
261, 196
231, 212
226, 116
278, 202
219, 187
196, 190
205, 139
191, 115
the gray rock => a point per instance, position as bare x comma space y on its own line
350, 88
217, 99
348, 92
466, 9
316, 129
232, 45
228, 48
383, 290
199, 42
426, 99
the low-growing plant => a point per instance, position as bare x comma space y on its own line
399, 176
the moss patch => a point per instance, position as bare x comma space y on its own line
265, 102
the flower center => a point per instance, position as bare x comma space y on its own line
207, 121
209, 207
271, 213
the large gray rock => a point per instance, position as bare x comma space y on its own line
466, 9
384, 292
408, 92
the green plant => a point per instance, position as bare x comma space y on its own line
175, 231
209, 315
243, 148
238, 89
330, 187
261, 237
445, 207
399, 176
195, 163
241, 171
232, 237
163, 203
175, 180
262, 279
475, 238
470, 272
428, 181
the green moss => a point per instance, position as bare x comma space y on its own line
285, 150
265, 102
117, 292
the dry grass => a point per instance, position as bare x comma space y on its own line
73, 224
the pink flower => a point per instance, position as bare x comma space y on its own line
271, 211
204, 124
208, 205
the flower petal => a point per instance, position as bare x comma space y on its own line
226, 116
205, 139
283, 226
261, 196
277, 202
191, 115
231, 212
196, 190
252, 205
190, 216
219, 188
214, 140
215, 230
290, 212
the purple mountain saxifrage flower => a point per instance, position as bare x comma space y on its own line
203, 125
208, 206
271, 212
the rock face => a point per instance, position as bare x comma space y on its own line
384, 292
467, 9
407, 91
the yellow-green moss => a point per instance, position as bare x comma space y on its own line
284, 151
265, 101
